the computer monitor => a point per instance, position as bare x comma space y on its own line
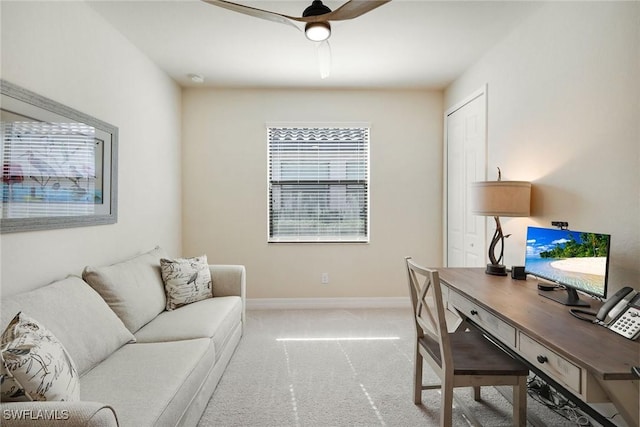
576, 260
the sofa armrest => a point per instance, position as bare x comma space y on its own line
52, 414
230, 280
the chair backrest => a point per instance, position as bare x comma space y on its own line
428, 308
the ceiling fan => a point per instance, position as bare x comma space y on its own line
316, 18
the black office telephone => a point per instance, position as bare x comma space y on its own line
621, 313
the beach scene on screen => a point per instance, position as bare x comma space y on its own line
573, 258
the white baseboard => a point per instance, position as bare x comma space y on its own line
352, 302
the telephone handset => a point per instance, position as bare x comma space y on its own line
621, 313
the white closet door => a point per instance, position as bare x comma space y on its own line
466, 149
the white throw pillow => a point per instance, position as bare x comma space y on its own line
38, 361
186, 280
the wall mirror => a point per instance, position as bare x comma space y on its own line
59, 166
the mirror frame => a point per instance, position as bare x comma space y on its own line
47, 106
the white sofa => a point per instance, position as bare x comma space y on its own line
139, 365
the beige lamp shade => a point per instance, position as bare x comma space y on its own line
501, 198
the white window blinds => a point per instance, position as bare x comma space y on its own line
318, 184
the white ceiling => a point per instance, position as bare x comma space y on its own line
402, 44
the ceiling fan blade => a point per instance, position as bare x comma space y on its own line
353, 9
323, 52
252, 11
349, 10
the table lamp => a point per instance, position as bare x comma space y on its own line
496, 199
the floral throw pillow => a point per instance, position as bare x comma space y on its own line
38, 362
186, 280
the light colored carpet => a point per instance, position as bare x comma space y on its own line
354, 380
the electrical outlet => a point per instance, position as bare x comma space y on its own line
325, 278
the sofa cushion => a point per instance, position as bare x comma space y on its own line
132, 288
211, 318
186, 280
150, 384
38, 362
76, 315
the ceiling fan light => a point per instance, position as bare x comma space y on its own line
317, 31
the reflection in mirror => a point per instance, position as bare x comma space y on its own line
49, 168
57, 164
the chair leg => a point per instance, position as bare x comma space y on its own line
417, 376
476, 393
446, 406
520, 403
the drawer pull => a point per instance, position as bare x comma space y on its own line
474, 312
542, 359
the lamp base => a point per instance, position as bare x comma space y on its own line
496, 269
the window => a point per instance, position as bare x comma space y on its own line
318, 184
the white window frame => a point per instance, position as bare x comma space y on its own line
363, 148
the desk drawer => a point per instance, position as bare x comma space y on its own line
493, 325
550, 362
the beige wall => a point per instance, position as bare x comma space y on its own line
65, 51
225, 188
564, 113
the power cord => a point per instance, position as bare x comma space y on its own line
543, 393
576, 312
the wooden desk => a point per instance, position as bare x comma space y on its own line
588, 360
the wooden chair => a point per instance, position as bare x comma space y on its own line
462, 358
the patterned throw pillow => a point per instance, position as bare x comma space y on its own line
38, 362
186, 280
10, 389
